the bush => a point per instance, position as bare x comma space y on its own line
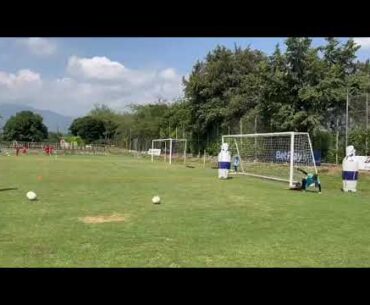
75, 140
357, 138
213, 149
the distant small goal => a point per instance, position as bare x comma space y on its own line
169, 150
275, 156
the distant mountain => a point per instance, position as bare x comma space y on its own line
54, 121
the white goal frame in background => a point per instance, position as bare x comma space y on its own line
290, 136
170, 141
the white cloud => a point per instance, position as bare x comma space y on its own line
95, 68
168, 74
21, 80
89, 81
364, 42
39, 46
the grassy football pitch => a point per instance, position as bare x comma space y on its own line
96, 211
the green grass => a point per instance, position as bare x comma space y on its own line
201, 222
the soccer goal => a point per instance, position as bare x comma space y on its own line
170, 150
268, 155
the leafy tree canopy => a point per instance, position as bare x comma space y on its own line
25, 126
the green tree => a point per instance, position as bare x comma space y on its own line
88, 128
302, 72
124, 129
358, 137
147, 120
304, 91
220, 90
74, 140
176, 117
55, 137
25, 126
109, 117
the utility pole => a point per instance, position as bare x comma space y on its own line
255, 138
337, 143
129, 141
367, 124
347, 102
255, 124
241, 131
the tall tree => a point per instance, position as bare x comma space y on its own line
220, 90
124, 128
176, 118
25, 126
109, 118
302, 86
147, 123
88, 128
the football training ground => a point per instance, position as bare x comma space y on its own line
96, 211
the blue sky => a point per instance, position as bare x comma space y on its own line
70, 75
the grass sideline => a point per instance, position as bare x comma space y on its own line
201, 222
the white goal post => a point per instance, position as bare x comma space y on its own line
268, 155
170, 149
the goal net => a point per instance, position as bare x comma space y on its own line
169, 150
268, 155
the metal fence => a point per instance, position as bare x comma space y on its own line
39, 147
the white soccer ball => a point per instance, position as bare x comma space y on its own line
156, 200
31, 195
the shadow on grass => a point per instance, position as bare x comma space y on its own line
190, 166
8, 189
311, 191
303, 191
297, 189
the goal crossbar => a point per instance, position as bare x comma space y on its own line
272, 134
169, 139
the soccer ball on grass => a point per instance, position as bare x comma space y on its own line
31, 195
156, 200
